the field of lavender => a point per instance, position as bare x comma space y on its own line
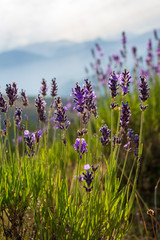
86, 167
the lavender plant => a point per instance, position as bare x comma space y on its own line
40, 197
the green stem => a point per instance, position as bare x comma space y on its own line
112, 135
123, 168
140, 135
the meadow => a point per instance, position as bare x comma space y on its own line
86, 167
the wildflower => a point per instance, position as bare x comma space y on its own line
29, 139
144, 92
89, 99
37, 137
24, 98
87, 167
127, 146
53, 88
44, 88
106, 133
18, 116
95, 168
134, 51
124, 38
113, 84
4, 132
12, 93
136, 144
125, 81
26, 133
79, 98
88, 178
82, 142
156, 34
40, 105
60, 113
134, 139
80, 178
125, 115
98, 48
3, 104
149, 55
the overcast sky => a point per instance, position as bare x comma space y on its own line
30, 21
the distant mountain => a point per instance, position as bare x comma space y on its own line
64, 60
15, 58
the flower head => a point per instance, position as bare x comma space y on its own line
82, 142
12, 93
18, 116
44, 88
125, 78
125, 115
106, 133
144, 92
54, 88
3, 104
113, 84
24, 98
40, 105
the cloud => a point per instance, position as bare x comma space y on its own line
23, 22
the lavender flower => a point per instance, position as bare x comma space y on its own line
89, 99
79, 98
80, 178
37, 137
144, 92
125, 81
124, 38
106, 133
149, 55
54, 88
134, 51
113, 84
98, 48
12, 93
40, 105
88, 178
60, 113
125, 115
136, 144
3, 104
18, 116
156, 34
95, 168
24, 98
29, 139
87, 167
82, 142
134, 139
44, 88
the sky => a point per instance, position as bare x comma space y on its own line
24, 22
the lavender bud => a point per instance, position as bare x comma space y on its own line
113, 84
24, 98
3, 104
18, 116
125, 115
12, 91
82, 142
44, 88
125, 81
54, 88
106, 133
